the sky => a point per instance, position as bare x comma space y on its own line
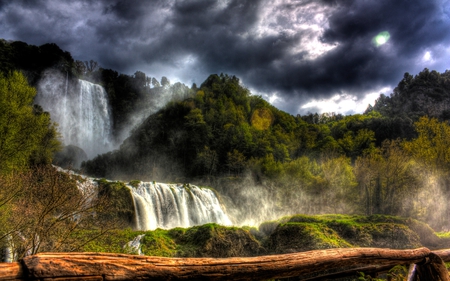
303, 56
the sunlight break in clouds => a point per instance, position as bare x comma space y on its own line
304, 22
344, 103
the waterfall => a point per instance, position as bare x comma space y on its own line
80, 108
159, 205
92, 121
134, 246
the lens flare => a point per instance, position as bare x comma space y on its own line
381, 38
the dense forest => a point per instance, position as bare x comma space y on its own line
394, 159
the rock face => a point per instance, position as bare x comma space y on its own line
70, 156
313, 265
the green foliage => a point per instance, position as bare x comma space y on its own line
385, 179
33, 60
363, 163
27, 135
431, 153
416, 96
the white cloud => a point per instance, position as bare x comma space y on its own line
344, 103
307, 21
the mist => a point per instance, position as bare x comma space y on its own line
84, 114
81, 110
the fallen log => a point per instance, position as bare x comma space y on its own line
106, 266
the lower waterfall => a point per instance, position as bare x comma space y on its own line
159, 205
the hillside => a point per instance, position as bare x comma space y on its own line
214, 131
425, 94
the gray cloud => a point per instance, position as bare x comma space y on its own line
300, 50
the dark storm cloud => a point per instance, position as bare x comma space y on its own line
300, 50
357, 64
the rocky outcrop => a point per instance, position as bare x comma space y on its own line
309, 265
70, 156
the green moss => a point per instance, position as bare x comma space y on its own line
304, 236
135, 183
213, 240
305, 218
209, 240
267, 228
444, 235
158, 243
110, 242
306, 232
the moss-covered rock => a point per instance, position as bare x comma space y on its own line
213, 240
303, 232
300, 236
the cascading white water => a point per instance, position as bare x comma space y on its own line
93, 126
134, 246
81, 109
159, 205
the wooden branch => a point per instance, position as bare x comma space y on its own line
432, 268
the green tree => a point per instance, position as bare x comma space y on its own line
431, 150
387, 180
235, 162
26, 132
355, 145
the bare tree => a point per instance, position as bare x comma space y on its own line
91, 66
80, 68
47, 209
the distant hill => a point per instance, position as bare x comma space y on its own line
215, 130
425, 94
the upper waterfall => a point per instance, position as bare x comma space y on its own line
92, 122
81, 109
